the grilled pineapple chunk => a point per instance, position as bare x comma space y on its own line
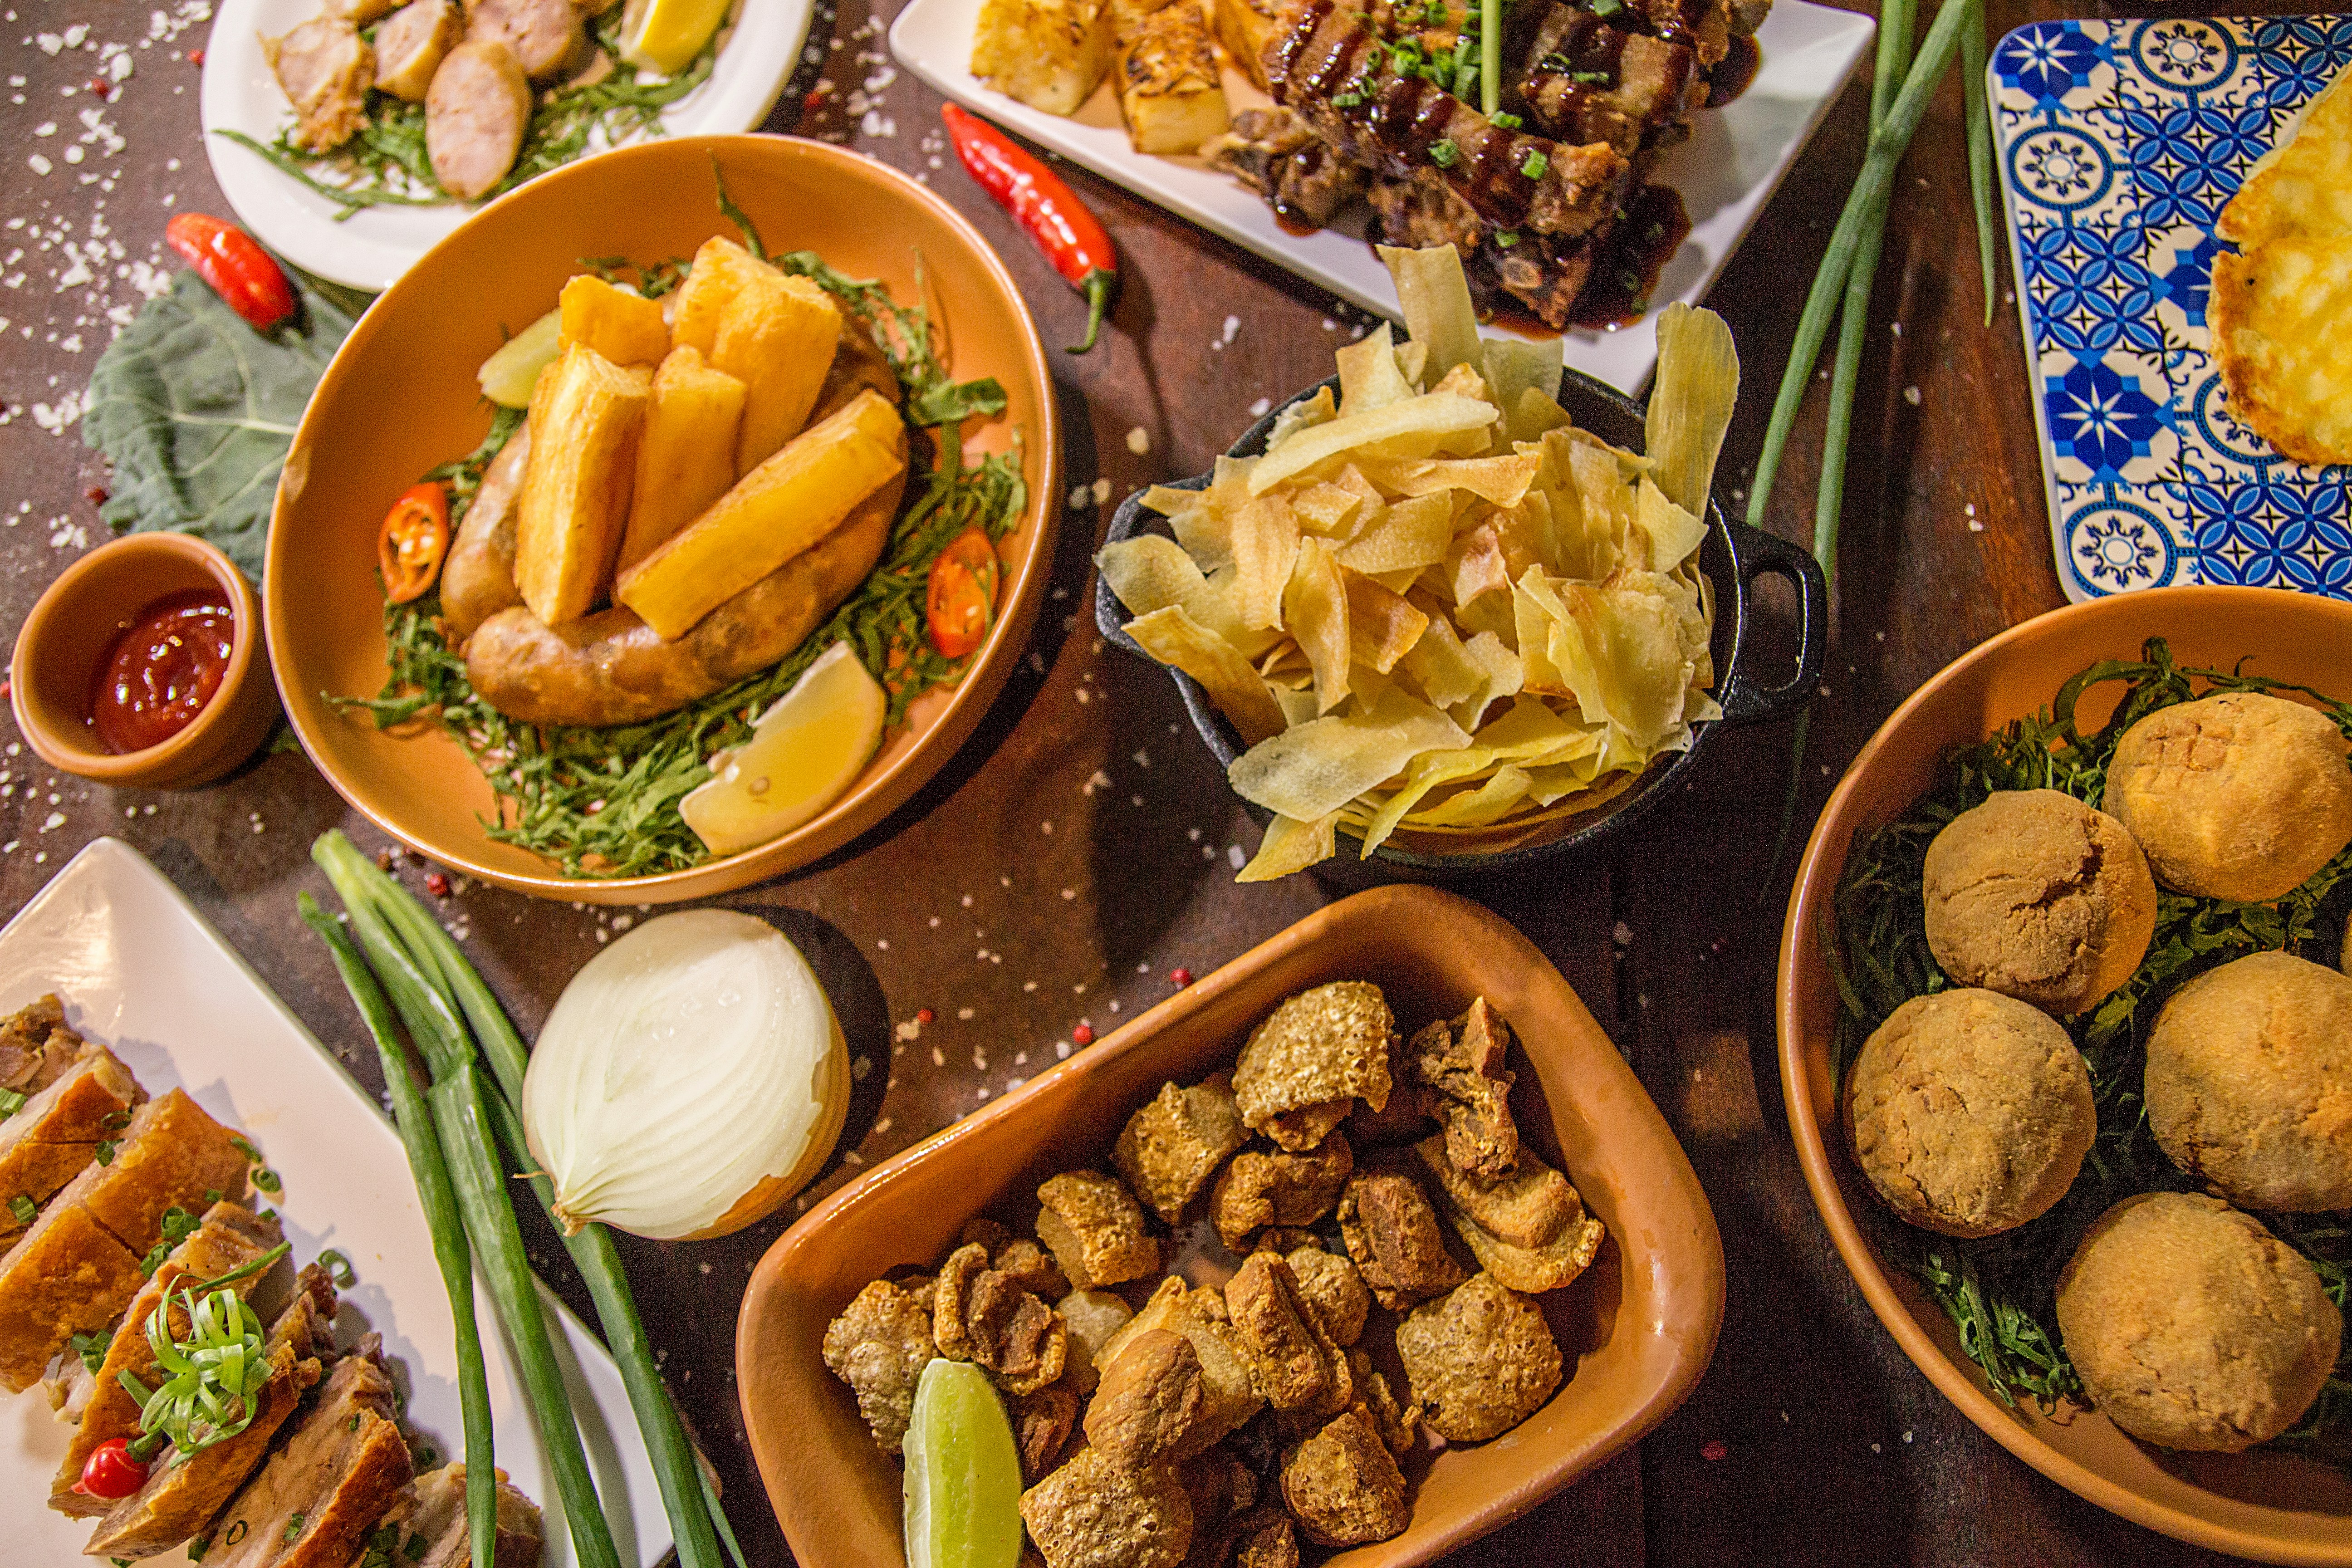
774, 512
626, 328
1168, 82
686, 460
585, 417
1245, 27
720, 269
1049, 54
777, 336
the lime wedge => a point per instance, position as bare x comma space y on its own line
804, 750
963, 1473
508, 375
666, 35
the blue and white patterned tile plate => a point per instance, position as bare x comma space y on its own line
2120, 143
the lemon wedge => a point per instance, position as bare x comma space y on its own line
963, 1473
804, 752
666, 35
508, 375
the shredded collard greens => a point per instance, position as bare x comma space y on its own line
603, 802
2000, 1291
385, 163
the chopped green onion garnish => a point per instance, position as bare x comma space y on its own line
1607, 8
23, 1209
294, 1526
266, 1180
1590, 79
1506, 239
104, 1153
1444, 153
93, 1349
11, 1101
338, 1268
1535, 164
1507, 121
246, 1149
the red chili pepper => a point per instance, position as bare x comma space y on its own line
111, 1471
437, 884
239, 270
924, 1015
195, 56
1071, 237
1181, 975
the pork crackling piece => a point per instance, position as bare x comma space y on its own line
1458, 1065
985, 1317
1314, 1057
1095, 1228
1333, 1288
879, 1346
1229, 1386
1298, 1366
1093, 1316
1094, 1512
1393, 1234
1150, 1400
1220, 1487
1041, 1424
1343, 1485
1479, 1361
1257, 1189
1170, 1147
1028, 1262
1378, 1407
1529, 1229
1261, 1538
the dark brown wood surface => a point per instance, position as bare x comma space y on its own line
1082, 846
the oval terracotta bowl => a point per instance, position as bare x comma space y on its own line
1637, 1328
2275, 1507
71, 629
401, 398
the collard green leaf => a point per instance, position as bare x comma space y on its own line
195, 410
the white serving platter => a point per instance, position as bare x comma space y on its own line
372, 248
139, 970
1726, 171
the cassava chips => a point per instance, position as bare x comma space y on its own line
1434, 605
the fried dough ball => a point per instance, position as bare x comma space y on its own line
2037, 896
879, 1346
1095, 1228
1969, 1111
2249, 1082
2238, 795
1094, 1512
1312, 1059
2193, 1327
1479, 1361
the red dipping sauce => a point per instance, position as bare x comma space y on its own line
163, 671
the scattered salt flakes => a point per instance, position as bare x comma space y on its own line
38, 164
45, 128
1084, 696
1138, 440
965, 1013
1873, 1447
1975, 526
1101, 491
1911, 395
118, 63
1898, 329
1046, 827
50, 43
883, 1125
1028, 985
1623, 935
980, 1093
54, 417
1069, 893
979, 1059
1101, 780
55, 819
1906, 1433
1020, 1058
935, 919
1079, 496
939, 1058
1194, 833
1144, 759
1233, 329
603, 937
1969, 509
883, 944
1233, 855
76, 34
861, 1068
620, 922
967, 900
1061, 1048
1257, 410
1012, 1083
909, 1030
1329, 326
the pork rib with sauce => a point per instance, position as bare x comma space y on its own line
320, 1494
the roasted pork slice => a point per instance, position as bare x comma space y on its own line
52, 1136
82, 1260
1576, 79
319, 1495
35, 1045
229, 1237
1704, 25
1332, 66
425, 1526
325, 68
1277, 155
184, 1493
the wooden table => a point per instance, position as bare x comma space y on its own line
1082, 846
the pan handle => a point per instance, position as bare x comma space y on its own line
1131, 519
1764, 554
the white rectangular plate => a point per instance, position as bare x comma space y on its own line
1726, 171
139, 970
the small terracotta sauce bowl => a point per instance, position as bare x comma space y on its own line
72, 628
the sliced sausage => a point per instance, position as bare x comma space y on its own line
324, 67
409, 47
547, 36
475, 116
359, 12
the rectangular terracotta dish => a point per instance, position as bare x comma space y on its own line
1637, 1328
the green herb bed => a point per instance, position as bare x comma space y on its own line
603, 802
2000, 1291
385, 163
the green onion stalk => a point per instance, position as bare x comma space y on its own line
1902, 85
444, 1001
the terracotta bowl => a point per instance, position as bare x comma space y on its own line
401, 397
73, 625
2278, 1507
1638, 1328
